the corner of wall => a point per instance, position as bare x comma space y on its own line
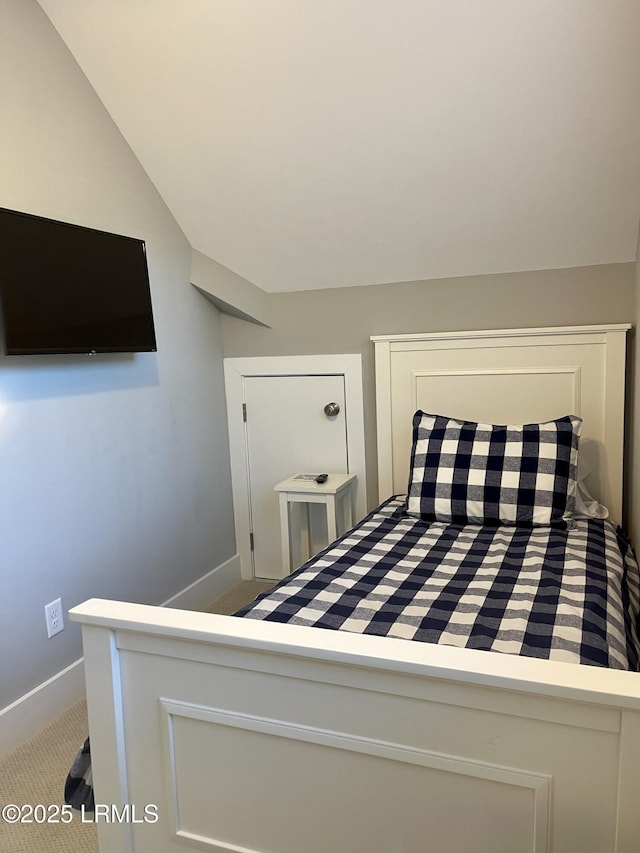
36, 709
231, 293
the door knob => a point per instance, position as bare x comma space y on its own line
332, 409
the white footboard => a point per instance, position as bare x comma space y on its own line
240, 735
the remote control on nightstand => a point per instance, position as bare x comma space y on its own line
322, 478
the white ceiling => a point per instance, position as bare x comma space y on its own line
326, 143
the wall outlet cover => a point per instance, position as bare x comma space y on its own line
54, 617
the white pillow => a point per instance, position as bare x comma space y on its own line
586, 506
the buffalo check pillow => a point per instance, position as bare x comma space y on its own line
470, 473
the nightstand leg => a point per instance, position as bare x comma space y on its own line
284, 534
332, 520
305, 555
352, 505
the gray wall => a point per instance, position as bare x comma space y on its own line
114, 470
342, 320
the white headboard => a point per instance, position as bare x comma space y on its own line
506, 376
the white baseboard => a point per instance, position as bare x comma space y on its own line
40, 706
203, 591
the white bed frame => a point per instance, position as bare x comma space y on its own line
250, 736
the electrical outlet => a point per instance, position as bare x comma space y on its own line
54, 618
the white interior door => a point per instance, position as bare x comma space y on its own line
287, 432
347, 368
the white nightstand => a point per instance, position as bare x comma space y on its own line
302, 489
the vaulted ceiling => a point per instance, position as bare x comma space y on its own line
326, 143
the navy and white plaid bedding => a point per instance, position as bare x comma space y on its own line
567, 595
78, 786
470, 473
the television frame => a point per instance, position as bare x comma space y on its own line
92, 332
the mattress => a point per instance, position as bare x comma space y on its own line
560, 594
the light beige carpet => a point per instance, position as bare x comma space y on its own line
35, 772
238, 596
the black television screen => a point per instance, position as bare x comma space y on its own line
69, 289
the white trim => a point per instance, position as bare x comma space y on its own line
212, 585
235, 370
337, 739
36, 709
572, 370
40, 706
538, 783
503, 333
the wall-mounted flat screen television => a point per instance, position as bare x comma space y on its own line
69, 289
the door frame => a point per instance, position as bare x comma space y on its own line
235, 370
